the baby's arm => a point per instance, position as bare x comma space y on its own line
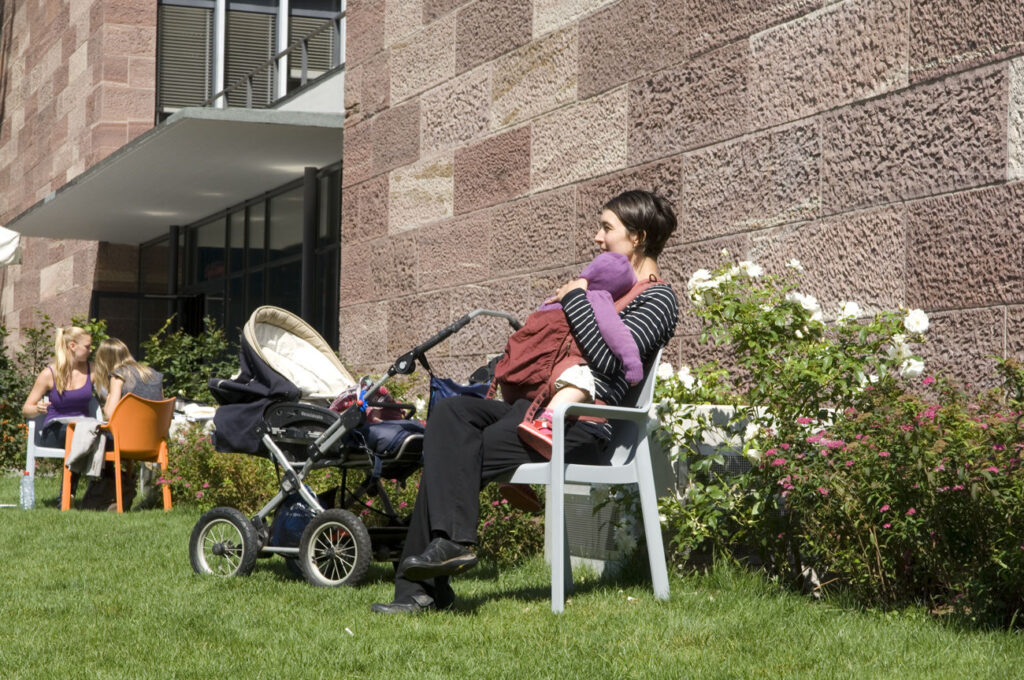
618, 338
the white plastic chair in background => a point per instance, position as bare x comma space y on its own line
34, 450
631, 464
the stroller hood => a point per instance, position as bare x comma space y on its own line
282, 359
291, 347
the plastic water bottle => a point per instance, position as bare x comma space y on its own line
28, 492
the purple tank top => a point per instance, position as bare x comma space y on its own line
71, 404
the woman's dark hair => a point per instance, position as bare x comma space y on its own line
646, 214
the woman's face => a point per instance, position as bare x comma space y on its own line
80, 348
613, 237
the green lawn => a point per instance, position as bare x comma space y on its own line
96, 595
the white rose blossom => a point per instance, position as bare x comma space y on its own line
899, 350
665, 371
750, 269
686, 377
795, 265
916, 321
912, 368
753, 455
849, 312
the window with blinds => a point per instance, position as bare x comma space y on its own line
319, 49
250, 43
185, 46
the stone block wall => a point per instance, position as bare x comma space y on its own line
78, 82
881, 142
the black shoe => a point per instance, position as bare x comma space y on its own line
419, 604
441, 558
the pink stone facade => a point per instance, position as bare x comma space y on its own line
78, 82
881, 142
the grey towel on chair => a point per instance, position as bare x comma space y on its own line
87, 446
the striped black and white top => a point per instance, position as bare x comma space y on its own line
651, 319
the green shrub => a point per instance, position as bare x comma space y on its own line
897, 487
200, 476
189, 361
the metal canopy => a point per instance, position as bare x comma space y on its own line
197, 162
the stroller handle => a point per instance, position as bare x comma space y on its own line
406, 363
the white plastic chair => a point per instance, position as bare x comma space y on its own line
631, 464
34, 450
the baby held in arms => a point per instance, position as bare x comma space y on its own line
609, 277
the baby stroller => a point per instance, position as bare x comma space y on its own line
280, 407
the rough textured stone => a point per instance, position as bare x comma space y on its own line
635, 38
534, 79
364, 211
929, 139
454, 252
355, 273
396, 136
846, 52
492, 171
955, 35
361, 331
421, 193
1015, 126
364, 30
401, 19
768, 179
661, 177
487, 29
551, 15
963, 249
424, 60
393, 266
691, 105
678, 263
415, 318
857, 256
57, 278
629, 39
488, 335
533, 233
580, 141
457, 111
375, 84
961, 344
435, 9
357, 153
1015, 332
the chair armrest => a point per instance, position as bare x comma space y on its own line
637, 415
640, 416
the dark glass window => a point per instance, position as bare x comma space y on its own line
257, 234
236, 241
285, 225
328, 222
284, 287
209, 251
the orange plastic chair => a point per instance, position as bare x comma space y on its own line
139, 427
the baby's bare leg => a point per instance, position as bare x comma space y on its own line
568, 395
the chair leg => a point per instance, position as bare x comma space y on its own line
65, 482
65, 489
117, 480
163, 473
652, 527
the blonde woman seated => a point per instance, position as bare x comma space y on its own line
116, 374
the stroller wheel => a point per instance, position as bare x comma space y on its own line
224, 543
335, 549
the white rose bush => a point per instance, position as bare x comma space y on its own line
897, 485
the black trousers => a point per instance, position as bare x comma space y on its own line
468, 443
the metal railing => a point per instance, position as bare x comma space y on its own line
273, 65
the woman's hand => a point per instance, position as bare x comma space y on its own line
564, 290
